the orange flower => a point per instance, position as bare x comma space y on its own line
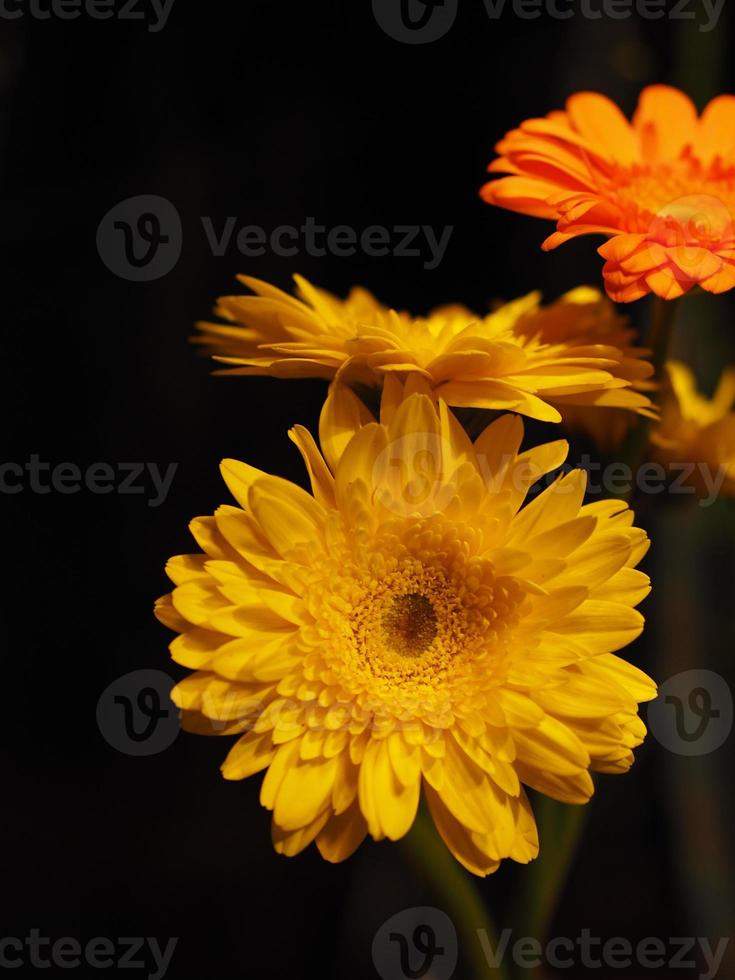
662, 187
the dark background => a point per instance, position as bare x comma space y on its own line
275, 112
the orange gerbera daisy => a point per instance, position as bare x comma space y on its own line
662, 187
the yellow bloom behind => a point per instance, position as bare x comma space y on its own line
521, 357
695, 429
595, 321
411, 628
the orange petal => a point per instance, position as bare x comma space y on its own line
621, 288
695, 263
721, 281
665, 284
621, 247
717, 130
647, 257
522, 194
666, 121
601, 121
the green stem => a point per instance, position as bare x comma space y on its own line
460, 897
660, 331
560, 827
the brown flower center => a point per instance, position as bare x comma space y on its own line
409, 625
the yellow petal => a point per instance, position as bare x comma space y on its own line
304, 792
457, 838
342, 835
343, 415
284, 525
389, 806
322, 482
551, 747
249, 755
292, 842
602, 627
195, 648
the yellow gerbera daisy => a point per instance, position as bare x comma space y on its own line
596, 321
697, 430
500, 361
410, 628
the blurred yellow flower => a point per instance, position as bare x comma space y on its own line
596, 321
695, 430
409, 628
521, 357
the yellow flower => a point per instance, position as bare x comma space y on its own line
500, 361
593, 320
697, 430
409, 628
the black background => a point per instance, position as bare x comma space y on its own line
269, 112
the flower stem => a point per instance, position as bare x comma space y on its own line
560, 827
462, 901
660, 331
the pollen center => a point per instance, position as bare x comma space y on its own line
686, 197
409, 625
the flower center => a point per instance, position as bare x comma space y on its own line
410, 622
409, 625
678, 203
